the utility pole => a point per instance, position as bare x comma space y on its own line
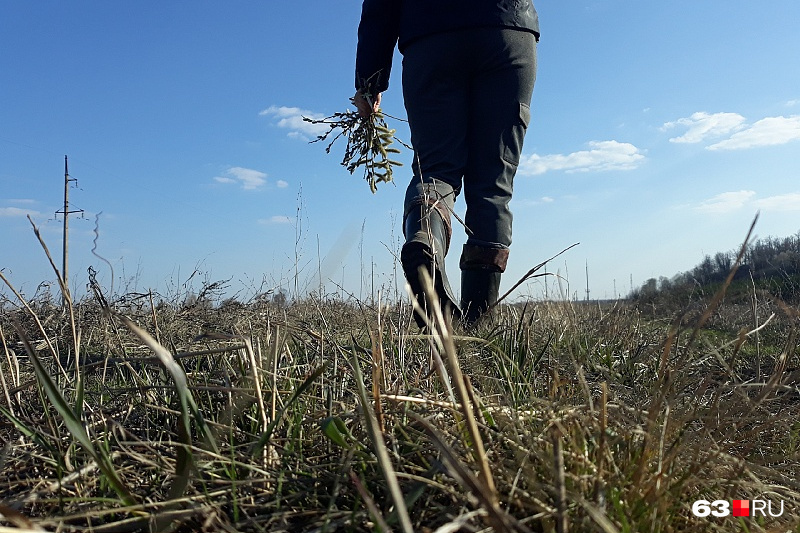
587, 280
66, 212
546, 295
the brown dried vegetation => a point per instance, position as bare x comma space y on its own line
338, 416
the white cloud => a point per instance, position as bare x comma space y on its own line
725, 202
17, 212
702, 125
531, 202
728, 202
282, 184
603, 156
768, 131
248, 178
291, 118
275, 219
781, 202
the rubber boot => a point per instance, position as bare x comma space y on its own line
479, 290
427, 241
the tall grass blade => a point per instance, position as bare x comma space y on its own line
720, 294
29, 432
499, 519
189, 410
262, 441
76, 342
562, 520
530, 274
6, 393
22, 522
188, 405
369, 501
184, 458
602, 521
73, 423
384, 461
38, 322
444, 331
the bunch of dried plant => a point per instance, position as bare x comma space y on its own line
369, 143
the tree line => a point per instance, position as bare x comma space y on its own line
769, 263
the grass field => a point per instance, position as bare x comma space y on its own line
326, 415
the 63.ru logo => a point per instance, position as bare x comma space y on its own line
720, 508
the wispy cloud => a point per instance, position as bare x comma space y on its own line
17, 212
291, 118
603, 156
726, 202
532, 202
729, 202
282, 184
781, 202
276, 219
768, 131
248, 178
701, 126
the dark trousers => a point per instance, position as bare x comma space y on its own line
467, 94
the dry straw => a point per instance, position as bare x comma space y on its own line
557, 416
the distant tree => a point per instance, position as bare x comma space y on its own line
197, 301
650, 288
723, 262
280, 298
231, 304
704, 272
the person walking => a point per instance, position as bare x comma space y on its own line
469, 67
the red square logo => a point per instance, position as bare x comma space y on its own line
741, 508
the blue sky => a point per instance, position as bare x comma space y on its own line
658, 131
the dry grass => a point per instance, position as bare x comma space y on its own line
573, 418
138, 415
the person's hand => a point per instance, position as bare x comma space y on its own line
365, 104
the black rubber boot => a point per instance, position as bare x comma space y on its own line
427, 241
479, 290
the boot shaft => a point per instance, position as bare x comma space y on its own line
479, 291
427, 241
